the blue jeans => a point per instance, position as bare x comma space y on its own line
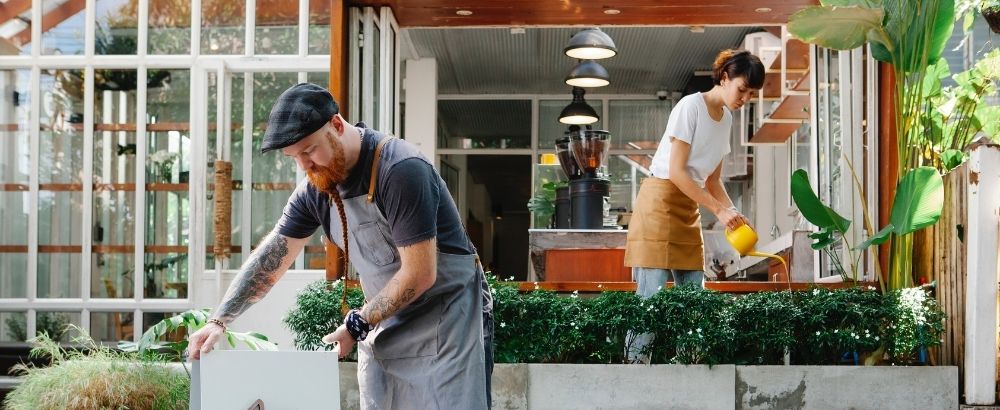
648, 281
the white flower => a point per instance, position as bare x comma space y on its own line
876, 338
503, 324
659, 288
572, 323
689, 332
836, 330
600, 286
815, 291
699, 330
817, 333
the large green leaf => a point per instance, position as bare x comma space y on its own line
879, 238
918, 202
812, 209
989, 117
908, 24
952, 158
839, 28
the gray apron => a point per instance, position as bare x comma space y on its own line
429, 355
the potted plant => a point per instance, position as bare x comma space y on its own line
990, 9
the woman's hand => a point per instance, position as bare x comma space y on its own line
731, 218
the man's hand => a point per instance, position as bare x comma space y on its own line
343, 339
204, 340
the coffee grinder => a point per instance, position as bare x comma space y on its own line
589, 192
563, 210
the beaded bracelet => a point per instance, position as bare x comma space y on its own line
218, 322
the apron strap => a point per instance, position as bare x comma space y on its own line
374, 173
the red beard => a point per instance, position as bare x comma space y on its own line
326, 178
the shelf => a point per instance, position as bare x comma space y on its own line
802, 85
774, 133
772, 83
792, 107
797, 57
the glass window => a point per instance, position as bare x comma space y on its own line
111, 327
223, 26
66, 36
484, 124
15, 168
637, 124
319, 27
277, 27
169, 27
236, 158
273, 173
60, 173
626, 173
830, 143
549, 127
116, 28
15, 327
56, 325
168, 144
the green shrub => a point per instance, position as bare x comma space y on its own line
317, 313
838, 322
689, 326
916, 323
765, 326
96, 377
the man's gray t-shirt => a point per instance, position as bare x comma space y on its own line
415, 205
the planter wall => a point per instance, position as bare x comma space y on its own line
588, 386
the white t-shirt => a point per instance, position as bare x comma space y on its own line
690, 122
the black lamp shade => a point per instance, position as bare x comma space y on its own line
578, 112
588, 74
591, 44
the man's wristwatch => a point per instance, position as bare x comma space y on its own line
356, 325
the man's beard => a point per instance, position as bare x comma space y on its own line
326, 178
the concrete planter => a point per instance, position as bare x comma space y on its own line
588, 386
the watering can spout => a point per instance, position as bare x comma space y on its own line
744, 239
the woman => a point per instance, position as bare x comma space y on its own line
664, 237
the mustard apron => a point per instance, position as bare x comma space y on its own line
665, 229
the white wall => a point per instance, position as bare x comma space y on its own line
421, 105
772, 205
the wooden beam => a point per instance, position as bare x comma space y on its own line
13, 8
725, 286
52, 19
338, 87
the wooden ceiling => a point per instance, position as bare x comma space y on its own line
442, 13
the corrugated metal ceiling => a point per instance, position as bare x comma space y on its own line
495, 61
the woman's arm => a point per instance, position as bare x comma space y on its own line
715, 187
679, 175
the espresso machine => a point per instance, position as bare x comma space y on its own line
589, 192
563, 209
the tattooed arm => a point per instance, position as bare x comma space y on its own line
267, 263
417, 273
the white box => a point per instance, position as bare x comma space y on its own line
235, 379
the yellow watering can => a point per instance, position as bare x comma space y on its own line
743, 239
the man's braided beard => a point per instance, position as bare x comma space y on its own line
326, 178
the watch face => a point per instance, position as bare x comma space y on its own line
257, 405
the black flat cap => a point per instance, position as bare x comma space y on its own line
299, 111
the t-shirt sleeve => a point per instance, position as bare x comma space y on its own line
410, 198
299, 219
683, 119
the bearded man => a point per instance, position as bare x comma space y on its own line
424, 335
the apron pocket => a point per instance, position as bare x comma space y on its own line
411, 334
375, 246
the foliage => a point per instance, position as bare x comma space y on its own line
696, 326
766, 324
835, 322
689, 326
96, 377
917, 204
52, 324
192, 320
543, 203
317, 312
911, 36
917, 324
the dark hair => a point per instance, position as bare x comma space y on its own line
738, 63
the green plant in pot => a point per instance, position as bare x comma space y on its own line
990, 10
909, 35
543, 203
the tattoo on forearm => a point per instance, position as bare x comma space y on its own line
392, 298
255, 279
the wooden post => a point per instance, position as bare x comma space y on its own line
983, 235
888, 153
338, 87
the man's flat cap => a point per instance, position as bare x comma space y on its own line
299, 111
